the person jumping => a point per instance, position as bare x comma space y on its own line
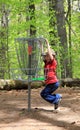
51, 80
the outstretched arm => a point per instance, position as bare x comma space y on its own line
41, 46
49, 50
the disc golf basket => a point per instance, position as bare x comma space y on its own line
29, 58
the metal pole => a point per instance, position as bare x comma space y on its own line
29, 84
29, 94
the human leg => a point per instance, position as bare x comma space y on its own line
56, 105
46, 93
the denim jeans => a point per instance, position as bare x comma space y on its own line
46, 93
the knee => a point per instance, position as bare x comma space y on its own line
43, 95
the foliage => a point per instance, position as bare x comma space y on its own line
19, 25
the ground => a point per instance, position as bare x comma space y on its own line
14, 114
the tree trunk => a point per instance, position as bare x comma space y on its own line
3, 41
70, 45
63, 38
20, 84
52, 23
32, 18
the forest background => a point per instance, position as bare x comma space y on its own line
56, 20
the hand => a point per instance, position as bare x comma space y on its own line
41, 46
47, 41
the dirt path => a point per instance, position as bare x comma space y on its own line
14, 114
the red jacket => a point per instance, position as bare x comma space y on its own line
50, 72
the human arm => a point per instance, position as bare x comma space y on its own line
49, 50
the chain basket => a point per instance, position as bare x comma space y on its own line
29, 54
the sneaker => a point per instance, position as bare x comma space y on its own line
56, 105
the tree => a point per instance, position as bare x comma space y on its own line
68, 18
61, 28
3, 40
32, 18
52, 22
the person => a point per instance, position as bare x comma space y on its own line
51, 80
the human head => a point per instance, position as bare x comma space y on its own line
46, 55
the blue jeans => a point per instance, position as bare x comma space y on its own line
46, 93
